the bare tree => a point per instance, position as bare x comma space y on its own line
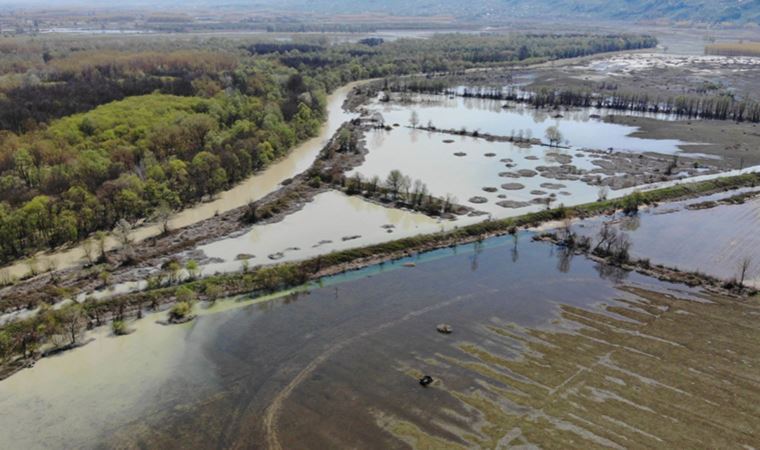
87, 249
414, 119
553, 135
374, 182
73, 321
449, 202
406, 185
122, 232
602, 193
419, 192
394, 182
100, 237
161, 216
607, 235
744, 266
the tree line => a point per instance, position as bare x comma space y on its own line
720, 107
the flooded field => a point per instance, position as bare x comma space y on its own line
712, 241
477, 170
501, 177
580, 128
332, 221
545, 351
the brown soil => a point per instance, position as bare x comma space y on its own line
737, 144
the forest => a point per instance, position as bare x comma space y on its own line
98, 131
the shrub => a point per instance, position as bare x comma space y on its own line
119, 328
180, 311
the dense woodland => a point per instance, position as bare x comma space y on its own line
95, 132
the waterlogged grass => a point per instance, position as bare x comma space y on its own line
652, 372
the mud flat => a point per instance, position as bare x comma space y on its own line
730, 145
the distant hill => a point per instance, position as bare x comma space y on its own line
702, 11
706, 11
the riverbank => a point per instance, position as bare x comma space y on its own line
269, 279
253, 188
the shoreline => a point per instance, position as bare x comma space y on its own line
271, 279
242, 193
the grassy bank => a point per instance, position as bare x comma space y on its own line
22, 341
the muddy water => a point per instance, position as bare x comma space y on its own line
253, 188
72, 397
578, 128
468, 168
318, 369
712, 241
332, 221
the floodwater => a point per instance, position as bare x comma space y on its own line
333, 221
335, 366
464, 166
423, 155
712, 241
251, 189
578, 128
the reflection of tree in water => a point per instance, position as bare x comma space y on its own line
378, 138
564, 257
414, 135
478, 249
630, 223
515, 252
611, 273
291, 298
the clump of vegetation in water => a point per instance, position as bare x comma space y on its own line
119, 328
181, 312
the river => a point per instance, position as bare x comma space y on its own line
253, 188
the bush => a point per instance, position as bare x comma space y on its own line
180, 311
119, 328
185, 295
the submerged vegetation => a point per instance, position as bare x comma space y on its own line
649, 370
22, 338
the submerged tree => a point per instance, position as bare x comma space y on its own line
553, 135
744, 266
414, 119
